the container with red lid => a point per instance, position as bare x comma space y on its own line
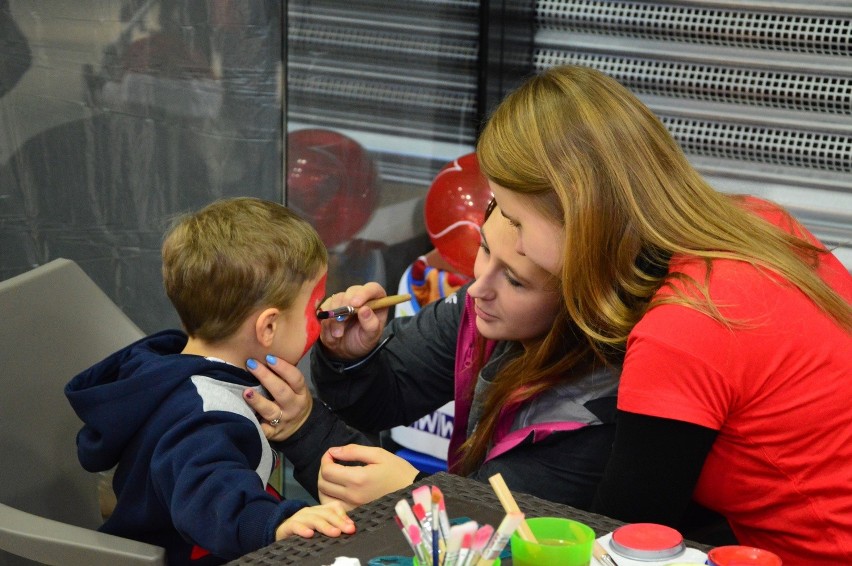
742, 556
647, 541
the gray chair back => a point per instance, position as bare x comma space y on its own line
54, 322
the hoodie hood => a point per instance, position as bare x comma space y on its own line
117, 396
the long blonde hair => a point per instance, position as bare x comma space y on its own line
598, 161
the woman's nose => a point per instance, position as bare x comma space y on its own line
482, 287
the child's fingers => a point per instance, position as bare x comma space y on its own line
329, 519
331, 525
302, 530
340, 518
332, 519
338, 508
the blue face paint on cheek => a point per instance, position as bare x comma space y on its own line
312, 325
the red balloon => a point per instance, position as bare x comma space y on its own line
332, 182
455, 209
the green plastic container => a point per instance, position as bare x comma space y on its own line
560, 541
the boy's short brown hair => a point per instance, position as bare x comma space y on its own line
235, 256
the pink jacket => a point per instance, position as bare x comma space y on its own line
540, 420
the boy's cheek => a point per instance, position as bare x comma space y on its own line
312, 332
312, 324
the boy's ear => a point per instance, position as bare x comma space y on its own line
266, 325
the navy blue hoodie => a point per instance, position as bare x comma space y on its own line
193, 463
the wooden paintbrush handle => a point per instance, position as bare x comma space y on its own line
388, 301
510, 505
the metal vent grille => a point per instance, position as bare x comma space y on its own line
775, 146
401, 72
801, 91
381, 107
757, 93
748, 27
356, 44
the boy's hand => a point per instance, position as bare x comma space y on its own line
292, 404
356, 336
380, 474
329, 519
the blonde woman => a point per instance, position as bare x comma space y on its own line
734, 321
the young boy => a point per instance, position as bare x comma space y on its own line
246, 277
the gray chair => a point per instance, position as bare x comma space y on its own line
54, 322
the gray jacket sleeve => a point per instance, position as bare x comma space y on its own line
408, 376
320, 432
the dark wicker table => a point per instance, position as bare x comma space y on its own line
378, 534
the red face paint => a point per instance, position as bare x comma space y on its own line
647, 541
312, 324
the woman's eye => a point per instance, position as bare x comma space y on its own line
484, 248
513, 282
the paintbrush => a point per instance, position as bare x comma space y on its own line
425, 524
442, 512
464, 551
415, 548
422, 552
602, 555
436, 530
500, 537
342, 313
510, 505
411, 529
422, 507
456, 540
480, 539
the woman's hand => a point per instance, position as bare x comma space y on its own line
356, 336
292, 404
354, 485
329, 519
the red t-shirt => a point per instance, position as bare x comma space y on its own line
778, 390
